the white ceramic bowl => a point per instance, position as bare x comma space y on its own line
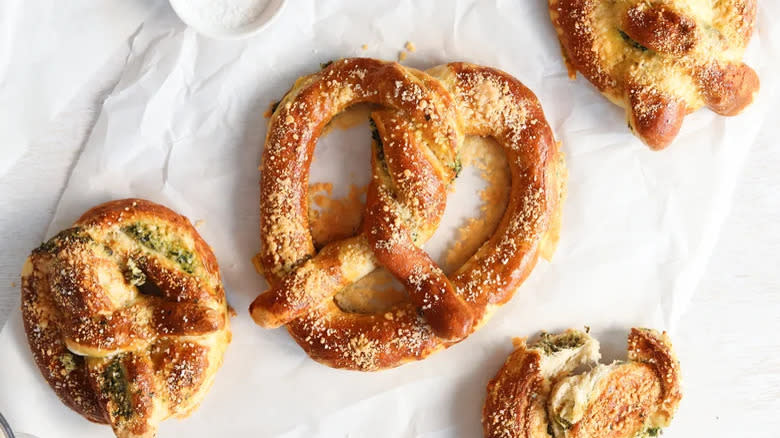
188, 11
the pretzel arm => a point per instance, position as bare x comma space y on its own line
125, 385
497, 105
655, 349
656, 117
515, 404
429, 289
660, 28
41, 316
365, 342
317, 279
728, 89
398, 161
165, 280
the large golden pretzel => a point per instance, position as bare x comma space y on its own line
419, 132
660, 60
126, 316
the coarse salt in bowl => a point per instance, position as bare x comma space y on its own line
227, 19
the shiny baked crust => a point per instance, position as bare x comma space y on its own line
535, 394
419, 131
126, 316
661, 60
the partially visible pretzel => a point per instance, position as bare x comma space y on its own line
660, 60
536, 394
418, 135
126, 316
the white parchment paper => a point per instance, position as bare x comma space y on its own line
47, 53
184, 127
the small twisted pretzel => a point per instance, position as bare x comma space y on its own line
418, 135
535, 395
126, 316
659, 59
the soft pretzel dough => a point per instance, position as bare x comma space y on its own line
126, 316
536, 394
660, 59
419, 131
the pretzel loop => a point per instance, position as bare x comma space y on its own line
402, 163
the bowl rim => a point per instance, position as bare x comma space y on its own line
5, 427
251, 29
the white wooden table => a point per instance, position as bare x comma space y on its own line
727, 341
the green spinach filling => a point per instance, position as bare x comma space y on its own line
564, 423
115, 387
456, 167
133, 274
68, 362
71, 235
151, 238
380, 148
550, 343
633, 43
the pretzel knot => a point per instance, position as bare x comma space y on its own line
660, 60
419, 130
126, 316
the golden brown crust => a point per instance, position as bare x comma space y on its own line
655, 350
419, 133
535, 394
126, 316
515, 406
654, 117
409, 175
625, 398
660, 60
